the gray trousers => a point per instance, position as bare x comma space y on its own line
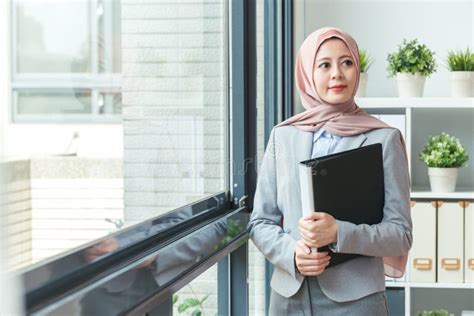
310, 300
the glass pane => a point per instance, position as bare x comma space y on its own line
57, 102
53, 36
80, 182
109, 36
175, 104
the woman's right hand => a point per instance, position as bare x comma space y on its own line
309, 263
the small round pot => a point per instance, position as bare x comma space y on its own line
461, 84
443, 179
362, 90
410, 85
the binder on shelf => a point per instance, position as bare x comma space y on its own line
423, 251
450, 242
469, 242
349, 185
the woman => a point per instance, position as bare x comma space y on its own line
327, 76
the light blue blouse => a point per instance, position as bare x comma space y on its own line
324, 143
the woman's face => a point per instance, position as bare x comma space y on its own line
335, 72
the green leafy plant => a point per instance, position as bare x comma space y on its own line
444, 151
195, 304
365, 61
440, 312
234, 228
412, 57
460, 60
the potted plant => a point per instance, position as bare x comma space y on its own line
365, 62
411, 65
443, 155
461, 76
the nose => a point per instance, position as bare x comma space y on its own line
336, 73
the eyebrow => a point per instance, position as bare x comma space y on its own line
324, 58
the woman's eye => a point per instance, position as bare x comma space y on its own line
349, 62
323, 64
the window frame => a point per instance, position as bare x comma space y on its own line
233, 269
95, 81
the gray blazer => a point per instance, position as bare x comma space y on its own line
273, 226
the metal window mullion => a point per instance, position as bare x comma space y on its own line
271, 98
94, 45
223, 280
84, 81
107, 35
70, 119
93, 36
287, 77
13, 39
107, 47
14, 113
270, 66
243, 130
14, 59
94, 102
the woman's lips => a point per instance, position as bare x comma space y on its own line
337, 89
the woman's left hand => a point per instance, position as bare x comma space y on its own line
318, 229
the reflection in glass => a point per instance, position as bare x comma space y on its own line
153, 273
67, 61
109, 103
53, 36
54, 102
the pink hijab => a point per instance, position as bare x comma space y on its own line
342, 119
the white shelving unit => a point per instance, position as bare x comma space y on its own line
423, 116
423, 103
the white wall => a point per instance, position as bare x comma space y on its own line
95, 140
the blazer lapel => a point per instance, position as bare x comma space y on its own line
304, 145
350, 142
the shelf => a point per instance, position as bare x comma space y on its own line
429, 285
425, 193
395, 284
442, 285
447, 102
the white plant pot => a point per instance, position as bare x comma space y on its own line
410, 85
362, 90
443, 179
461, 84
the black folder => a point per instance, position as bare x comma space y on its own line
349, 185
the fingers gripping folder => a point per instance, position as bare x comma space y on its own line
349, 185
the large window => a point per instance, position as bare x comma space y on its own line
66, 60
159, 70
166, 75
